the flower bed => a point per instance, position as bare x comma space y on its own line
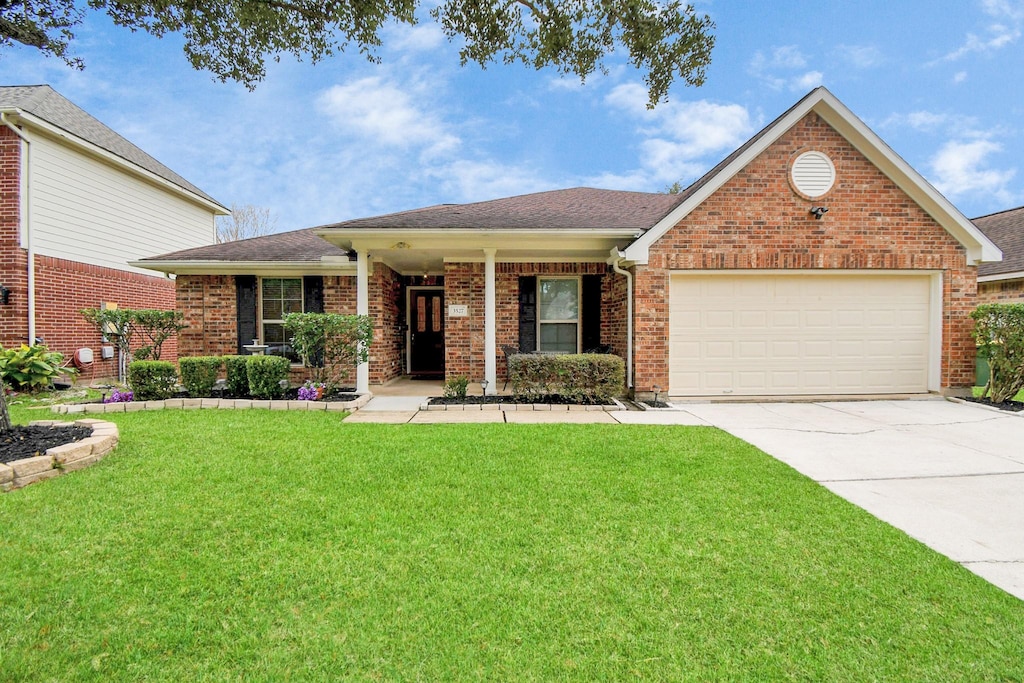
68, 457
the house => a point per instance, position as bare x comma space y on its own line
1003, 281
78, 203
811, 261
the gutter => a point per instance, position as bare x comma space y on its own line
26, 226
616, 258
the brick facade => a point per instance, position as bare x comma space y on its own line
756, 221
387, 359
63, 288
1001, 292
464, 285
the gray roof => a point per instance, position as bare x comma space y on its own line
579, 208
45, 103
1006, 229
293, 246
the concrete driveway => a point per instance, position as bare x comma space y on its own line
949, 474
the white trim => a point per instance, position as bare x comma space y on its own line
935, 334
49, 129
490, 324
409, 321
269, 268
836, 114
1016, 275
526, 259
260, 320
363, 308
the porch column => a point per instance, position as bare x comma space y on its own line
362, 308
490, 315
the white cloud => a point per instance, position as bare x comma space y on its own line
861, 56
465, 180
680, 137
1004, 9
782, 59
387, 114
808, 81
961, 168
424, 37
959, 77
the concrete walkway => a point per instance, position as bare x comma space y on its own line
950, 475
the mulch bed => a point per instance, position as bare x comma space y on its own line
656, 404
477, 400
27, 442
1012, 406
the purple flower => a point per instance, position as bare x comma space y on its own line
120, 397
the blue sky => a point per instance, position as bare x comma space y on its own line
939, 82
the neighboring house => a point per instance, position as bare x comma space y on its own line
811, 261
78, 203
1003, 281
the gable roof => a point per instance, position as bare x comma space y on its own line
579, 208
836, 114
1006, 229
46, 104
295, 246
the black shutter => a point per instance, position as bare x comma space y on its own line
245, 310
528, 314
590, 312
313, 293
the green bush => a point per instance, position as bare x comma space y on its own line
329, 344
199, 374
237, 375
152, 380
576, 378
30, 367
999, 332
456, 387
265, 374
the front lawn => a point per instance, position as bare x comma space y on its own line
257, 545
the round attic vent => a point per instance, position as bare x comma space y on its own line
813, 174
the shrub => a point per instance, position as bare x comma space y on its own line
152, 380
30, 367
456, 387
329, 343
199, 374
578, 378
237, 375
265, 375
999, 331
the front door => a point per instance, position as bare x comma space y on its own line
426, 331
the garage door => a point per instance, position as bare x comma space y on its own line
773, 335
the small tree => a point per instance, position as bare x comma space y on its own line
329, 343
122, 325
114, 325
999, 331
156, 327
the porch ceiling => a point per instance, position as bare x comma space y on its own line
417, 252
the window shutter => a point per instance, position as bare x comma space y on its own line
590, 312
245, 310
528, 314
313, 293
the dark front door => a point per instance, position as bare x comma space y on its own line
426, 331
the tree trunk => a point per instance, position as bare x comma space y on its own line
5, 417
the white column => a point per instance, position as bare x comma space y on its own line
490, 326
362, 308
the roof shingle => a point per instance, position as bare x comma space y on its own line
1006, 229
293, 246
45, 103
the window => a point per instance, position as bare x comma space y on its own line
279, 296
558, 314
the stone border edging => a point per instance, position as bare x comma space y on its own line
61, 459
563, 407
219, 403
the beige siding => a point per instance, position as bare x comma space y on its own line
85, 209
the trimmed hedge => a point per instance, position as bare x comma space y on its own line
152, 380
578, 378
265, 374
199, 374
999, 331
237, 375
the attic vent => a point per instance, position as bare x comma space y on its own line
813, 174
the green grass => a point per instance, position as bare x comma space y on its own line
221, 545
1018, 397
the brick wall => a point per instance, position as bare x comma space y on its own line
757, 221
464, 285
386, 352
1001, 291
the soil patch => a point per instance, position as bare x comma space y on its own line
1012, 406
27, 442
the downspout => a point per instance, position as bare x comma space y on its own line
26, 224
617, 258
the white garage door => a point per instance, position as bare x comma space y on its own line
773, 335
